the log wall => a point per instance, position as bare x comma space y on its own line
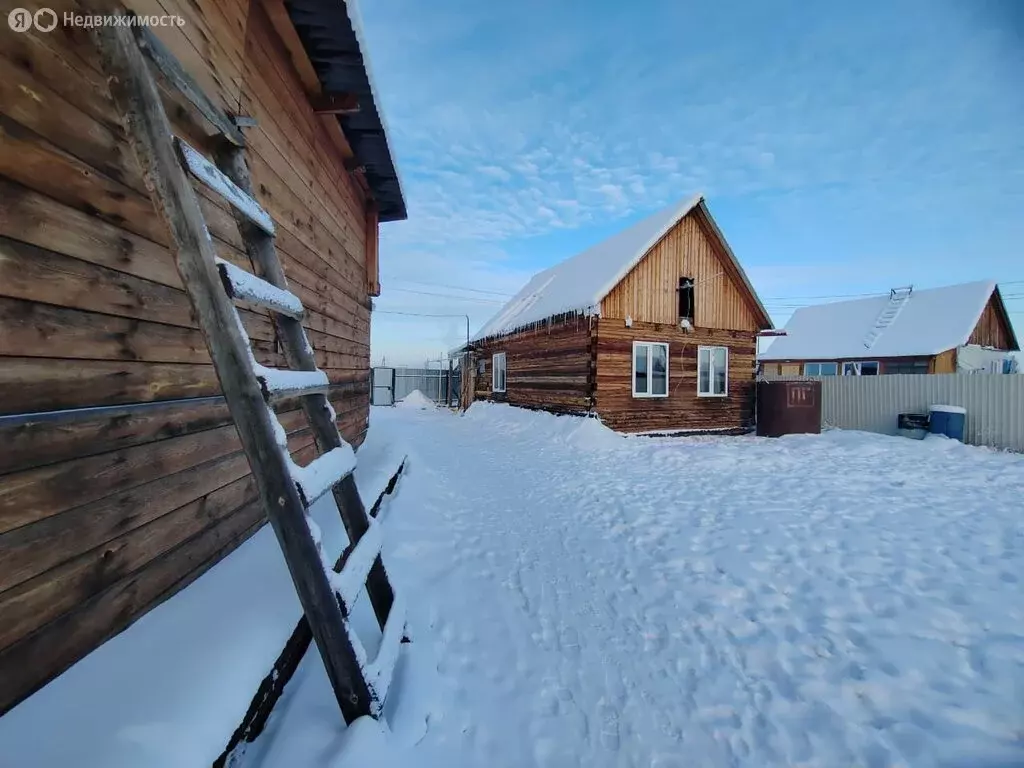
549, 367
682, 409
106, 514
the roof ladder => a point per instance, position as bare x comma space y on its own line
897, 298
212, 284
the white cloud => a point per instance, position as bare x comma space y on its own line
511, 122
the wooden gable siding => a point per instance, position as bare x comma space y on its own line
682, 409
992, 329
648, 293
104, 515
548, 367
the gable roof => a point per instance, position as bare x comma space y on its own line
579, 283
929, 322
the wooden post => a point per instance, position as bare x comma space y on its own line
149, 133
448, 402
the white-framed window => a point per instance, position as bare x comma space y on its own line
498, 372
861, 368
712, 371
650, 369
821, 369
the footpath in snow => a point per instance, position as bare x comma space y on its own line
596, 600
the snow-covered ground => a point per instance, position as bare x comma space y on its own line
169, 691
591, 599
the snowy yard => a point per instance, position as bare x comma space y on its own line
590, 599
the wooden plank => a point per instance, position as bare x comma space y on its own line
334, 104
32, 104
150, 137
33, 329
30, 384
29, 159
210, 175
35, 218
64, 641
34, 274
31, 604
82, 572
372, 261
169, 68
49, 439
35, 549
37, 493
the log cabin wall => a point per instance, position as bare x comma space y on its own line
105, 515
941, 363
682, 409
649, 292
548, 367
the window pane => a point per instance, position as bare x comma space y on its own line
704, 371
849, 369
659, 370
810, 369
869, 369
829, 369
720, 363
640, 370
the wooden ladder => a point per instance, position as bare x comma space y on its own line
286, 489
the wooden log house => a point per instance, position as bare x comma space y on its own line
121, 474
952, 329
652, 330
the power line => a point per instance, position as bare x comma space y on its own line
452, 287
412, 314
448, 296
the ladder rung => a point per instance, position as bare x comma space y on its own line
279, 383
212, 177
245, 286
352, 579
380, 672
324, 472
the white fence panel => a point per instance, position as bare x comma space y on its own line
994, 403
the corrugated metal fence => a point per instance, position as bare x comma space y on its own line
432, 382
994, 403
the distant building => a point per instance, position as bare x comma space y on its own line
959, 328
654, 329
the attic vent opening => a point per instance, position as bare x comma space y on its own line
686, 299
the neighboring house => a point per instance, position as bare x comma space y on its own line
122, 478
653, 329
959, 328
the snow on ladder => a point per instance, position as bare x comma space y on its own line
897, 299
250, 388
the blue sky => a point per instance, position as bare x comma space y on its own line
843, 148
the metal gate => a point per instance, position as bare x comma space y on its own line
382, 386
438, 384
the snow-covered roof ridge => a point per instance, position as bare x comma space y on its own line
579, 283
930, 321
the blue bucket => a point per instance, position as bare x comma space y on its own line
948, 420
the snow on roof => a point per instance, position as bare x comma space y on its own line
931, 321
580, 282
